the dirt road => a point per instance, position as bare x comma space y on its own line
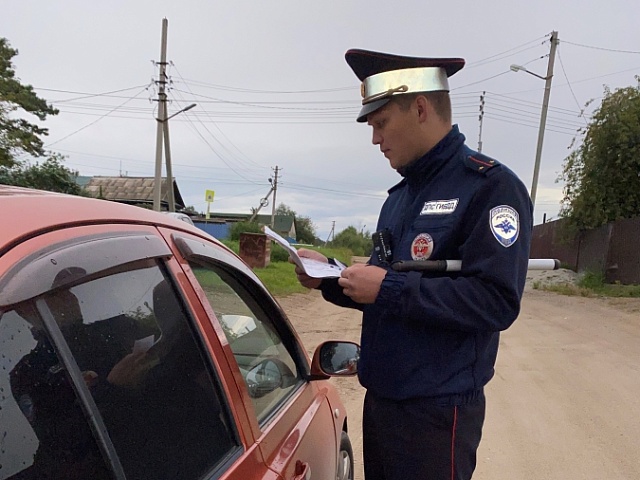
565, 401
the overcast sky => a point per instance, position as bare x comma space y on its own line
272, 89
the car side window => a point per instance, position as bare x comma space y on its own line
269, 370
43, 430
142, 362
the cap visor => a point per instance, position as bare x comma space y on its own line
370, 108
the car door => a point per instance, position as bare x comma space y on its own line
137, 362
291, 417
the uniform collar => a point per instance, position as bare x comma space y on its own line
434, 158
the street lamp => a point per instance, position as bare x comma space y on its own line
545, 108
163, 131
520, 68
188, 107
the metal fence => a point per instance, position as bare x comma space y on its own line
612, 249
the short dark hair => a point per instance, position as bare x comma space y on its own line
440, 101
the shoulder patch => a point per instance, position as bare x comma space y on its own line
480, 163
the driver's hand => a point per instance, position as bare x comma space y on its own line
130, 371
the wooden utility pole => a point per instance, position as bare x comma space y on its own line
543, 115
481, 118
162, 120
273, 206
332, 232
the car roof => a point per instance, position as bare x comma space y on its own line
25, 212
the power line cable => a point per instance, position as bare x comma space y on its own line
480, 81
634, 69
536, 115
339, 192
571, 89
512, 121
600, 48
284, 92
502, 56
220, 156
256, 104
243, 156
88, 95
532, 111
95, 121
537, 105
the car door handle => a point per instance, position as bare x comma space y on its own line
303, 471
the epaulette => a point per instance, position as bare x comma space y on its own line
480, 163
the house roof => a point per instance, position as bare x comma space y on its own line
131, 189
282, 223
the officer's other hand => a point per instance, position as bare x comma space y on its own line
304, 279
362, 282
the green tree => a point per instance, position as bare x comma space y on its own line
16, 134
49, 175
358, 242
305, 229
602, 176
191, 210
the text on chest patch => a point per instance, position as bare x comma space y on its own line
439, 207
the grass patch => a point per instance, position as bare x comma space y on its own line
592, 284
280, 278
569, 289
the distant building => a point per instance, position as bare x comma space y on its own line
130, 190
139, 191
219, 223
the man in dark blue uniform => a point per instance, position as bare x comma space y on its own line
430, 338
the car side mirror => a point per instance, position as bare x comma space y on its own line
264, 378
267, 376
335, 359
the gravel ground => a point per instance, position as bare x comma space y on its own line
550, 277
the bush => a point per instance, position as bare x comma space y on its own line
243, 227
278, 254
592, 280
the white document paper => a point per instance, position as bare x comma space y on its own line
311, 267
143, 344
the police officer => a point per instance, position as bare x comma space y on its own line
430, 339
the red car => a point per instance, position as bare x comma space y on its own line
136, 346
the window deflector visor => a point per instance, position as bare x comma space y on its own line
196, 250
82, 257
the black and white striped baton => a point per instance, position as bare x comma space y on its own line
456, 265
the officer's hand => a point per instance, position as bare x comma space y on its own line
304, 279
362, 282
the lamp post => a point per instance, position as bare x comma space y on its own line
545, 108
163, 132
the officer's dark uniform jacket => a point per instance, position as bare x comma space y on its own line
436, 335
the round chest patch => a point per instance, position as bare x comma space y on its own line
422, 247
504, 222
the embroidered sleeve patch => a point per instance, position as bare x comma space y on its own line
504, 222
